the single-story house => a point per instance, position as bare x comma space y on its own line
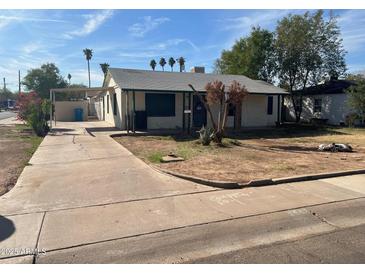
327, 102
144, 100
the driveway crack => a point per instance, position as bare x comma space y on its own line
323, 219
37, 242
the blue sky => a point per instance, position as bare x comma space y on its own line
131, 38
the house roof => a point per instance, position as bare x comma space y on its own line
329, 87
146, 80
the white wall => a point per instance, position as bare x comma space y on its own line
254, 111
118, 119
334, 108
65, 110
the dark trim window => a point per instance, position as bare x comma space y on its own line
115, 104
231, 109
317, 107
270, 104
160, 105
107, 104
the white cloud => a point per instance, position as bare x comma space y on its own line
93, 22
148, 24
8, 19
175, 42
258, 18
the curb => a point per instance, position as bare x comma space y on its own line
300, 178
212, 183
261, 182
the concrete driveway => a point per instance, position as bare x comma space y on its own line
80, 165
85, 198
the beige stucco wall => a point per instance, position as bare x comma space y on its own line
118, 119
64, 110
334, 108
254, 111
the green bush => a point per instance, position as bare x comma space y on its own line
35, 112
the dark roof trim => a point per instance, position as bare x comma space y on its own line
189, 91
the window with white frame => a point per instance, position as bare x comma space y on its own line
317, 107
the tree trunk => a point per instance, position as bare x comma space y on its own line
88, 69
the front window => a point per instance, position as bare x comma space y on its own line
160, 105
317, 105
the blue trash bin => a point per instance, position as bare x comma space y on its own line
79, 112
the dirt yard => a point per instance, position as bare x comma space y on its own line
256, 154
17, 145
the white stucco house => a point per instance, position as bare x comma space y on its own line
327, 101
145, 100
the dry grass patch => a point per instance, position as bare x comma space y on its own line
17, 145
256, 154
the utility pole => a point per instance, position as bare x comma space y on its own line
19, 81
4, 85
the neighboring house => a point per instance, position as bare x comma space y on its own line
327, 101
163, 100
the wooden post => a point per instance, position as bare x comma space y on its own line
127, 110
278, 110
189, 115
51, 108
134, 112
183, 112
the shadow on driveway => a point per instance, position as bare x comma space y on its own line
7, 228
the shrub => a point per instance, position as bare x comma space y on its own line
34, 111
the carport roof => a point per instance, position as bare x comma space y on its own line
146, 80
90, 91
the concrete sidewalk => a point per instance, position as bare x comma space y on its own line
93, 201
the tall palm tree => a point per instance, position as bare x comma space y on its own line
162, 63
104, 67
181, 62
172, 63
88, 55
69, 78
153, 64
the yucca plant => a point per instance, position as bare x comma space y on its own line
206, 135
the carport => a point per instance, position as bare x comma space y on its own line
88, 95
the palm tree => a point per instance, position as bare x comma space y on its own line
153, 64
88, 55
162, 63
181, 62
69, 78
104, 67
172, 63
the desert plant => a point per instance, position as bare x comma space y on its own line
206, 135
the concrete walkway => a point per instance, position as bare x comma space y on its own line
87, 199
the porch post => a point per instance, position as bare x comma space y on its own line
51, 108
134, 112
127, 110
54, 102
278, 111
183, 113
189, 115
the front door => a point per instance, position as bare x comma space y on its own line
199, 113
